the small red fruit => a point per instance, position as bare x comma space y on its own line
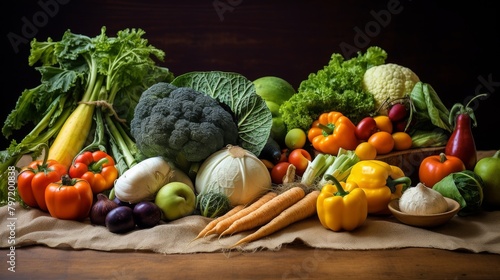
397, 112
300, 158
279, 171
365, 128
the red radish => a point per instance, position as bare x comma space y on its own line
397, 112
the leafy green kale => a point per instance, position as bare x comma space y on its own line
336, 87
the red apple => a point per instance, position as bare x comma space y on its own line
300, 158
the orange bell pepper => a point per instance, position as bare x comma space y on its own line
332, 131
97, 168
69, 199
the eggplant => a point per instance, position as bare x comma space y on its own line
271, 151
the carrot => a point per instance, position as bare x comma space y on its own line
304, 208
267, 212
226, 223
214, 222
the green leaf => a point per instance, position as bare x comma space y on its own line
254, 118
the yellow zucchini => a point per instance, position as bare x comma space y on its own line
73, 134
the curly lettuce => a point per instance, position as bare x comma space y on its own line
336, 87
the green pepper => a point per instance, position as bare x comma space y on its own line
488, 169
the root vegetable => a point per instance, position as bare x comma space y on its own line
266, 212
144, 180
226, 223
303, 209
214, 222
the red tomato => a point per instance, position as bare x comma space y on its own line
284, 155
365, 128
300, 158
279, 171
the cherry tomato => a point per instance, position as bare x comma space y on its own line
366, 151
279, 171
402, 141
300, 158
365, 128
382, 141
383, 123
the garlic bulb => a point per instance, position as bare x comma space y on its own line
422, 200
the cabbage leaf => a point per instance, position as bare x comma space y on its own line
254, 119
466, 187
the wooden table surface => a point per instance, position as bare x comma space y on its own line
294, 261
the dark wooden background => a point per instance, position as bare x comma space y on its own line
453, 46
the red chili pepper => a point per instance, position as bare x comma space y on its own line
97, 168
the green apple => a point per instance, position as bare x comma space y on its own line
176, 200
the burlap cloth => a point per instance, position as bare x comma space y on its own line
478, 233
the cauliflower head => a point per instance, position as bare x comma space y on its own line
181, 124
388, 82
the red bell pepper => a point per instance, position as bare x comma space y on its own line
98, 168
34, 179
69, 199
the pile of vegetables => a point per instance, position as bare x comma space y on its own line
116, 130
199, 113
268, 213
338, 86
87, 84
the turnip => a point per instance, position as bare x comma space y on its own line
143, 180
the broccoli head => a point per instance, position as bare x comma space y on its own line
181, 124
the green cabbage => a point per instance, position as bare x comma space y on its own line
466, 187
254, 118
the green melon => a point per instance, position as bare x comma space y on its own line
275, 91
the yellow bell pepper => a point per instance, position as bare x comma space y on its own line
381, 182
332, 131
339, 209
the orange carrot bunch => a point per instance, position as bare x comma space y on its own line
271, 212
